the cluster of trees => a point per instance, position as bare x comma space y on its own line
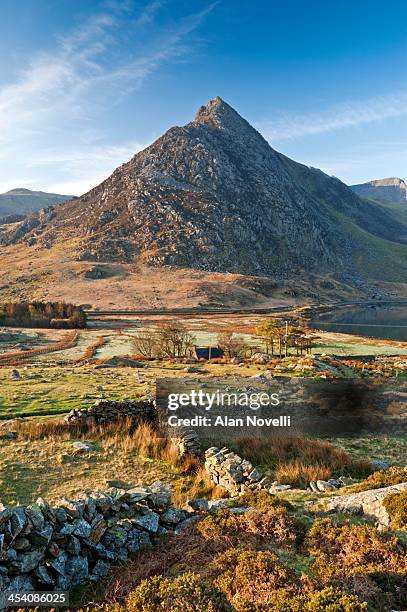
171, 341
42, 314
278, 337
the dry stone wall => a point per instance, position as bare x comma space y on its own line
56, 547
109, 411
233, 473
187, 441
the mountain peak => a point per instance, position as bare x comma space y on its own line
17, 191
392, 181
391, 189
214, 196
22, 201
23, 191
218, 114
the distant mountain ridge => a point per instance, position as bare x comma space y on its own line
214, 196
20, 202
388, 190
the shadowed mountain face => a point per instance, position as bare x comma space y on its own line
389, 190
21, 202
213, 195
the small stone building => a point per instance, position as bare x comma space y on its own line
208, 352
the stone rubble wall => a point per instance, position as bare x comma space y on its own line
238, 476
44, 547
235, 474
109, 411
187, 441
369, 502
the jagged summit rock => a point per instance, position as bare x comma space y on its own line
390, 189
219, 114
214, 196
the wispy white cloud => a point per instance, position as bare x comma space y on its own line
345, 115
78, 169
88, 71
147, 15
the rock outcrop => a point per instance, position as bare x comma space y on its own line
369, 502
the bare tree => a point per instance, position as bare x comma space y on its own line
231, 344
175, 341
146, 344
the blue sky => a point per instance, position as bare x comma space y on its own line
85, 84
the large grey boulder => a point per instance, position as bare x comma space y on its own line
369, 502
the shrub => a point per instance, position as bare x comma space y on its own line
224, 528
396, 506
251, 581
359, 559
251, 578
185, 593
273, 526
327, 600
333, 600
262, 500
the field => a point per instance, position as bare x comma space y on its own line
53, 383
38, 458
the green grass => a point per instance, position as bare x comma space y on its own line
397, 211
343, 348
382, 259
55, 390
60, 390
392, 449
51, 469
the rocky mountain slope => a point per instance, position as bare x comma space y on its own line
22, 202
214, 196
392, 190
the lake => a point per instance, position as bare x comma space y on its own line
387, 321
